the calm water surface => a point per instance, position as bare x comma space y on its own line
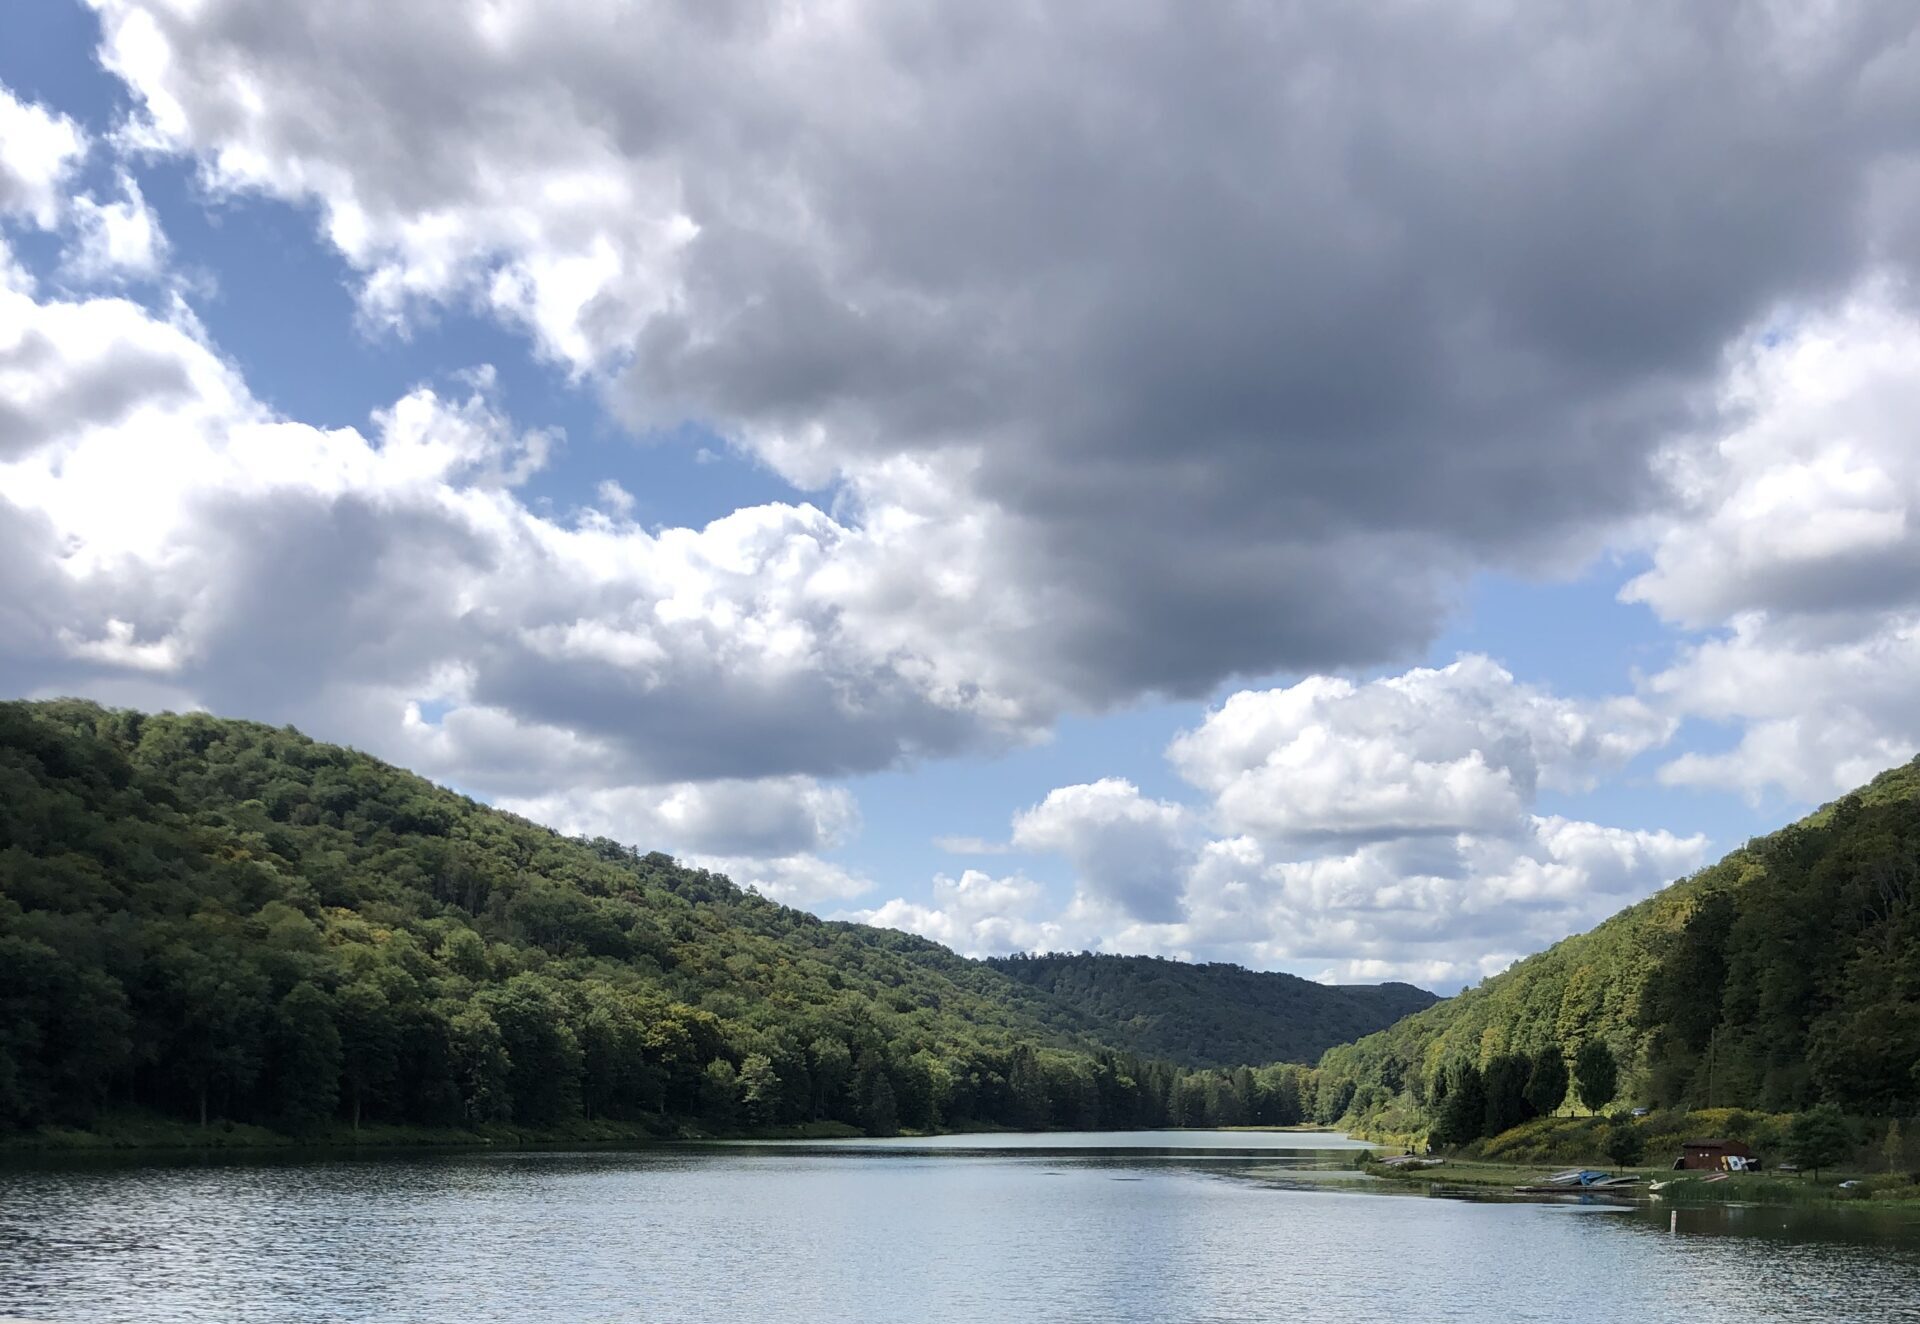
1149, 1226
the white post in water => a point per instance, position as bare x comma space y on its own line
1673, 1221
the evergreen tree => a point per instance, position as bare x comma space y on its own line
1819, 1138
1463, 1110
881, 1117
1596, 1076
369, 1044
720, 1092
759, 1089
305, 1060
1547, 1080
1505, 1081
1625, 1144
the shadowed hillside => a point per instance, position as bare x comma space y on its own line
204, 919
1214, 1014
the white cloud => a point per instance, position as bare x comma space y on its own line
976, 914
1462, 748
1436, 910
1384, 829
40, 150
116, 240
1104, 323
1807, 506
794, 880
1796, 540
773, 818
1127, 850
296, 570
615, 498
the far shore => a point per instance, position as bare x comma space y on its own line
133, 1134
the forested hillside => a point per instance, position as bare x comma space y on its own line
1787, 974
1214, 1014
205, 919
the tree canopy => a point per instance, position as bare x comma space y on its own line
1784, 976
218, 919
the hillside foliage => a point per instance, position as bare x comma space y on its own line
1213, 1014
208, 919
1785, 976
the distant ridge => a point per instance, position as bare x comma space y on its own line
1214, 1014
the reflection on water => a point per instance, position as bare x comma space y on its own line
1158, 1225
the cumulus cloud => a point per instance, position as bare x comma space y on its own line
40, 149
1439, 910
976, 914
1124, 847
1462, 748
1133, 348
1797, 548
1384, 829
283, 567
117, 240
1232, 338
165, 526
791, 879
775, 817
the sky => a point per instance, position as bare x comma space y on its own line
1364, 491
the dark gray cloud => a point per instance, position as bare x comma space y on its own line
52, 391
1261, 326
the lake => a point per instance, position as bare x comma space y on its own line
1171, 1226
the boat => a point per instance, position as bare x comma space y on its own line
1577, 1181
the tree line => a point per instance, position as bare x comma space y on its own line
211, 920
1782, 978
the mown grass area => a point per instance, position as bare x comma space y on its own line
1566, 1140
1528, 1153
1883, 1190
144, 1131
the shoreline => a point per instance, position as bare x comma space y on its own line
133, 1135
1687, 1191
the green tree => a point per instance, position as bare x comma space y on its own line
1028, 1085
830, 1065
483, 1072
1596, 1076
1893, 1148
759, 1089
543, 1052
1463, 1110
369, 1043
1625, 1145
1819, 1138
881, 1116
214, 1046
304, 1057
1547, 1080
1505, 1081
720, 1091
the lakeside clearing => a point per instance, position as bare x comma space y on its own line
1479, 1176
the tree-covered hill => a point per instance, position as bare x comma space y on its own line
202, 918
1785, 975
1214, 1014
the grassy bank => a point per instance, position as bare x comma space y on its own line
1883, 1190
138, 1131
